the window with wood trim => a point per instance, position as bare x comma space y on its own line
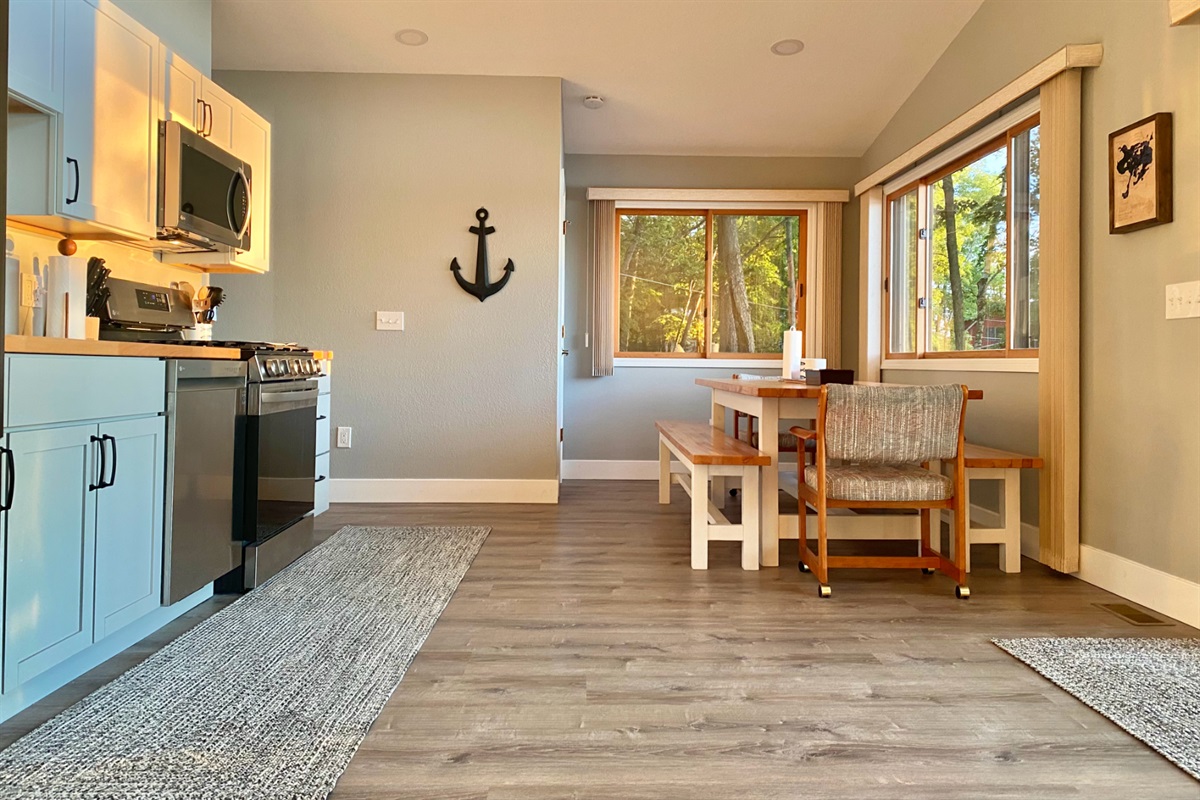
708, 283
961, 269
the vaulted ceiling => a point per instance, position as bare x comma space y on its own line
679, 77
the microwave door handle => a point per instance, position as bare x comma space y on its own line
240, 175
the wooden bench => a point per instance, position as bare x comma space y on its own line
707, 452
987, 463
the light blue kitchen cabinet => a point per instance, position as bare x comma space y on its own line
129, 523
50, 556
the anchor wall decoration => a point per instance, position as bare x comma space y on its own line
482, 287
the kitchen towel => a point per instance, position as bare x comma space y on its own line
66, 297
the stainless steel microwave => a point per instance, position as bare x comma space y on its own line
203, 193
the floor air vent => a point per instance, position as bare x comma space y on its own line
1132, 615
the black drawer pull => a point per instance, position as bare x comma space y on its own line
103, 465
11, 469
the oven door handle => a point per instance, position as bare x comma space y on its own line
275, 401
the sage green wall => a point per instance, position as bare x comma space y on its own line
1140, 389
612, 418
376, 179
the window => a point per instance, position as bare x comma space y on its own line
962, 255
708, 283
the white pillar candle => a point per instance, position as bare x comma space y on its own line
793, 353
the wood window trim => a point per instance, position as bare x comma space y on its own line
922, 185
708, 212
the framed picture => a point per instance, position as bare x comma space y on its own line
1139, 175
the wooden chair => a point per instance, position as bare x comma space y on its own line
788, 443
884, 438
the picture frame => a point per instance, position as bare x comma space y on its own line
1139, 175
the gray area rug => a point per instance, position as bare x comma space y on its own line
267, 699
1150, 687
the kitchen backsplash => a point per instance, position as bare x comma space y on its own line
125, 262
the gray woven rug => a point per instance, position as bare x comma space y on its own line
1150, 687
268, 698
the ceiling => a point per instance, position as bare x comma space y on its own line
679, 77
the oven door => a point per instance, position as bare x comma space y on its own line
204, 192
281, 444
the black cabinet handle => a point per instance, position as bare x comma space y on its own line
208, 132
74, 162
112, 477
318, 480
203, 116
11, 468
103, 462
321, 417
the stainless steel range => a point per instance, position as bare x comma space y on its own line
273, 510
274, 483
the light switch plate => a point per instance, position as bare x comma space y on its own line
1183, 300
389, 320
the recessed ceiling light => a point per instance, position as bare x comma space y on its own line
593, 101
787, 47
412, 37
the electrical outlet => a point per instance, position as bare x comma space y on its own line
343, 437
1183, 300
389, 320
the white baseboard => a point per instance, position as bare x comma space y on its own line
1165, 593
403, 490
585, 470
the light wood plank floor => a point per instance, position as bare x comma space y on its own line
582, 657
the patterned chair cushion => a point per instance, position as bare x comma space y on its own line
870, 482
892, 424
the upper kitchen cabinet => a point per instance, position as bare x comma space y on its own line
35, 52
235, 127
184, 91
92, 170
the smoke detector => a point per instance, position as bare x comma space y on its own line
593, 101
412, 37
787, 47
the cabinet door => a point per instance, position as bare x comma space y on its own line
111, 104
35, 51
252, 144
221, 105
50, 561
183, 101
129, 523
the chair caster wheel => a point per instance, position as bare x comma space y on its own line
804, 567
824, 591
962, 592
733, 492
928, 570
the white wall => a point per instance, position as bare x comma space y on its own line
376, 179
184, 25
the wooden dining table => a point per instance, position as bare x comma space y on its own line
770, 401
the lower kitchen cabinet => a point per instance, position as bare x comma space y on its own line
50, 558
129, 524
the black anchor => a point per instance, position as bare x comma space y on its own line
481, 288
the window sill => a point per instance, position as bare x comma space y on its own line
702, 363
962, 364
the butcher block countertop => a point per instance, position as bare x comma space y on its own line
89, 347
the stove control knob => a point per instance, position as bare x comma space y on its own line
268, 369
295, 366
312, 367
272, 368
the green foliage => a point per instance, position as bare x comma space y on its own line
662, 281
980, 230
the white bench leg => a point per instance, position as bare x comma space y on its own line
699, 517
1010, 548
750, 517
664, 473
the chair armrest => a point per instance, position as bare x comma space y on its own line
803, 433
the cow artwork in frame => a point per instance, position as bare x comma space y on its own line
1139, 175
